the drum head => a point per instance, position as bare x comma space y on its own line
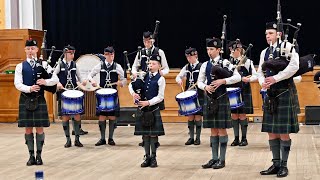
233, 89
186, 94
106, 91
72, 93
85, 64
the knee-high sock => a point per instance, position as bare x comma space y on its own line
191, 128
66, 129
111, 128
146, 144
153, 145
102, 127
40, 141
30, 143
214, 140
275, 149
223, 147
235, 124
244, 127
198, 129
285, 149
76, 127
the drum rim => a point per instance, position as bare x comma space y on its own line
63, 93
195, 94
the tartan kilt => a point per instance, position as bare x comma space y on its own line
285, 120
296, 99
59, 105
246, 94
221, 119
37, 118
156, 130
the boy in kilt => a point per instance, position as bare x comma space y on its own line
68, 75
191, 72
148, 118
216, 111
110, 74
248, 73
280, 109
32, 104
142, 59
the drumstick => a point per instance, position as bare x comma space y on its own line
191, 87
316, 81
181, 85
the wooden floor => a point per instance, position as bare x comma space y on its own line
176, 161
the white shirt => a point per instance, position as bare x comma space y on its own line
57, 70
202, 80
18, 79
157, 99
97, 70
164, 63
183, 72
247, 65
288, 72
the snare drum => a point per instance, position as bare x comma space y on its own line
72, 102
235, 97
188, 102
107, 99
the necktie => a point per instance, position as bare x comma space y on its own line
68, 65
32, 63
108, 65
192, 66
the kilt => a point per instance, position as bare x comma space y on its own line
222, 118
37, 118
246, 94
59, 104
155, 130
295, 92
285, 119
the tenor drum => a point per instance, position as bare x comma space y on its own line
107, 99
72, 102
188, 102
235, 98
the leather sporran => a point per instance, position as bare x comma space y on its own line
31, 103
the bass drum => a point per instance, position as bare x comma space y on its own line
85, 64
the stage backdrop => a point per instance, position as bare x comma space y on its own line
92, 25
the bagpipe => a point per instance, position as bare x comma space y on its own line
219, 70
42, 66
284, 51
137, 83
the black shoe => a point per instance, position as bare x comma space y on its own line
283, 172
153, 162
39, 160
271, 170
78, 143
235, 142
209, 164
101, 142
31, 161
68, 144
81, 132
141, 144
197, 142
189, 142
146, 162
243, 142
111, 142
218, 165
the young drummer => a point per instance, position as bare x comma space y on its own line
248, 74
148, 119
110, 73
217, 115
191, 72
69, 75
